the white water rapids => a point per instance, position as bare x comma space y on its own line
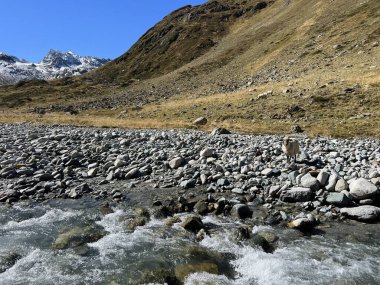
121, 256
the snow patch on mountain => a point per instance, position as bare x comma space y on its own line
54, 65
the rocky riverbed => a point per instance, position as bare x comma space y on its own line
227, 197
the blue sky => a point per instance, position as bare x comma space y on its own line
103, 28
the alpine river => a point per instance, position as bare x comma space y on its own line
341, 253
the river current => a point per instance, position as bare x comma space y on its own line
343, 253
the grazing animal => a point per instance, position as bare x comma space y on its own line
291, 148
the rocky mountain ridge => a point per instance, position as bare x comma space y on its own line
55, 64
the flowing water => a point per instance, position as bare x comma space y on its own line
343, 254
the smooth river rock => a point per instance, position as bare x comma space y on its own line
361, 189
365, 213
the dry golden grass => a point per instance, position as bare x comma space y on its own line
298, 54
90, 121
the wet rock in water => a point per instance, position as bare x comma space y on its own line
136, 222
303, 222
192, 224
201, 208
201, 235
200, 121
261, 242
362, 189
270, 236
339, 200
365, 213
106, 209
171, 221
297, 194
220, 131
8, 260
142, 212
243, 232
162, 212
183, 270
79, 236
156, 276
241, 211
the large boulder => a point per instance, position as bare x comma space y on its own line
365, 213
192, 224
79, 236
200, 121
241, 211
220, 131
183, 270
297, 194
339, 200
8, 260
303, 222
309, 181
361, 189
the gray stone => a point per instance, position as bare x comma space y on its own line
362, 189
241, 211
323, 177
73, 194
362, 213
188, 183
309, 181
192, 224
133, 173
120, 163
339, 200
292, 176
200, 121
341, 185
303, 222
92, 172
220, 131
201, 208
207, 152
176, 162
267, 171
297, 194
332, 182
273, 190
8, 260
78, 236
237, 191
203, 179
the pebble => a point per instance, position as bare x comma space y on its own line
65, 157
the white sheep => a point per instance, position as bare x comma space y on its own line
291, 148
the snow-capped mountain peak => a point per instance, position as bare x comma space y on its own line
55, 64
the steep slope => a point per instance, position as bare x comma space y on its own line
317, 61
54, 65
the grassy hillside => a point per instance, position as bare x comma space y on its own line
318, 62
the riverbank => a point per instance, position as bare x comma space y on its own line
234, 198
